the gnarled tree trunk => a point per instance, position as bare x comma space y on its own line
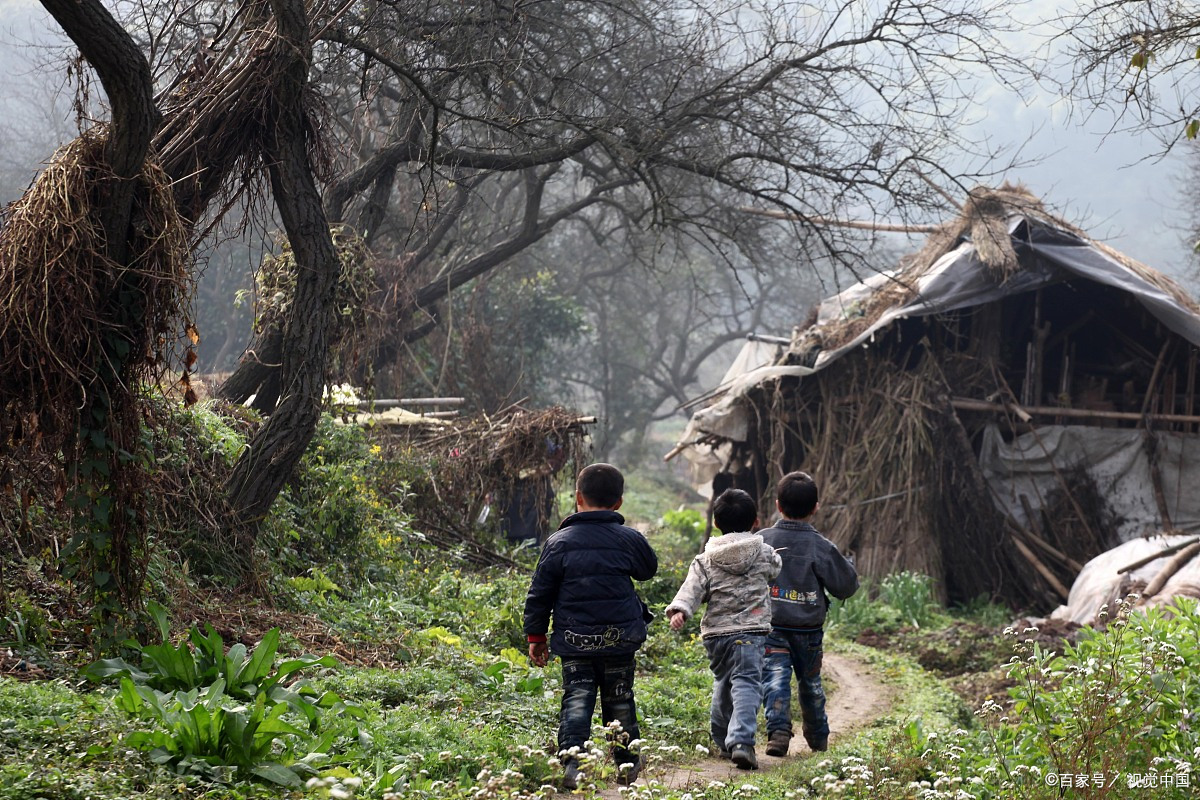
273, 453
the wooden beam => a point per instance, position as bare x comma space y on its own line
966, 404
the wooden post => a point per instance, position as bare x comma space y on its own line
1027, 380
1158, 365
1189, 408
1064, 381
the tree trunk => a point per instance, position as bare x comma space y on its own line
263, 469
257, 374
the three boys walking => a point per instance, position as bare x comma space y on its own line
766, 604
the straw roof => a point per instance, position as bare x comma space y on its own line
985, 221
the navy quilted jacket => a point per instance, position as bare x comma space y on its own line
584, 578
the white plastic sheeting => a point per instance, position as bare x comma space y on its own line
1100, 582
1116, 459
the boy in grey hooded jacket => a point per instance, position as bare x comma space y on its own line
732, 575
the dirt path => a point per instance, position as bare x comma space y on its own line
857, 697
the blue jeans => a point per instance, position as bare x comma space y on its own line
612, 678
737, 666
801, 650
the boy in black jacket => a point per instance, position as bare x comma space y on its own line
812, 566
584, 579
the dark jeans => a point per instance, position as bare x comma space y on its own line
612, 678
737, 666
801, 651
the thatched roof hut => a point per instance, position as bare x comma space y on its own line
1010, 401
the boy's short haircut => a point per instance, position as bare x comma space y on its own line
602, 485
797, 495
734, 511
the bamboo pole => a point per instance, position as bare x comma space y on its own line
967, 404
1189, 407
1042, 569
1151, 445
1141, 562
867, 225
1158, 365
1035, 535
1174, 565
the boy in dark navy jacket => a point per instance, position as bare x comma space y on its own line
584, 579
813, 569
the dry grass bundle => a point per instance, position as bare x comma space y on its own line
61, 298
895, 292
79, 334
862, 426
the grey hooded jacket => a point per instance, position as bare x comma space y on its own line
732, 575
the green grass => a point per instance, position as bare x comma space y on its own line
463, 715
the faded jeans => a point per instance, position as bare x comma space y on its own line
737, 666
801, 650
612, 678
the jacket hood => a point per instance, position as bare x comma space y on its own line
734, 552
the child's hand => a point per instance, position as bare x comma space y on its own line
677, 620
539, 653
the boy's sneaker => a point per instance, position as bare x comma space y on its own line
778, 743
743, 756
571, 775
818, 745
627, 773
723, 753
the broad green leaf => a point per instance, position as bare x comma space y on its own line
109, 667
261, 660
277, 774
161, 620
297, 664
130, 701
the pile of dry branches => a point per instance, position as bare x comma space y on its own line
453, 470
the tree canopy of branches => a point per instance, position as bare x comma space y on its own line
453, 135
1138, 57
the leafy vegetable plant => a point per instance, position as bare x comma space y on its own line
214, 709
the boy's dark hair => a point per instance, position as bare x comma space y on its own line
734, 511
797, 495
602, 485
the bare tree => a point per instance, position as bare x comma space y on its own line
470, 132
1136, 60
453, 135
